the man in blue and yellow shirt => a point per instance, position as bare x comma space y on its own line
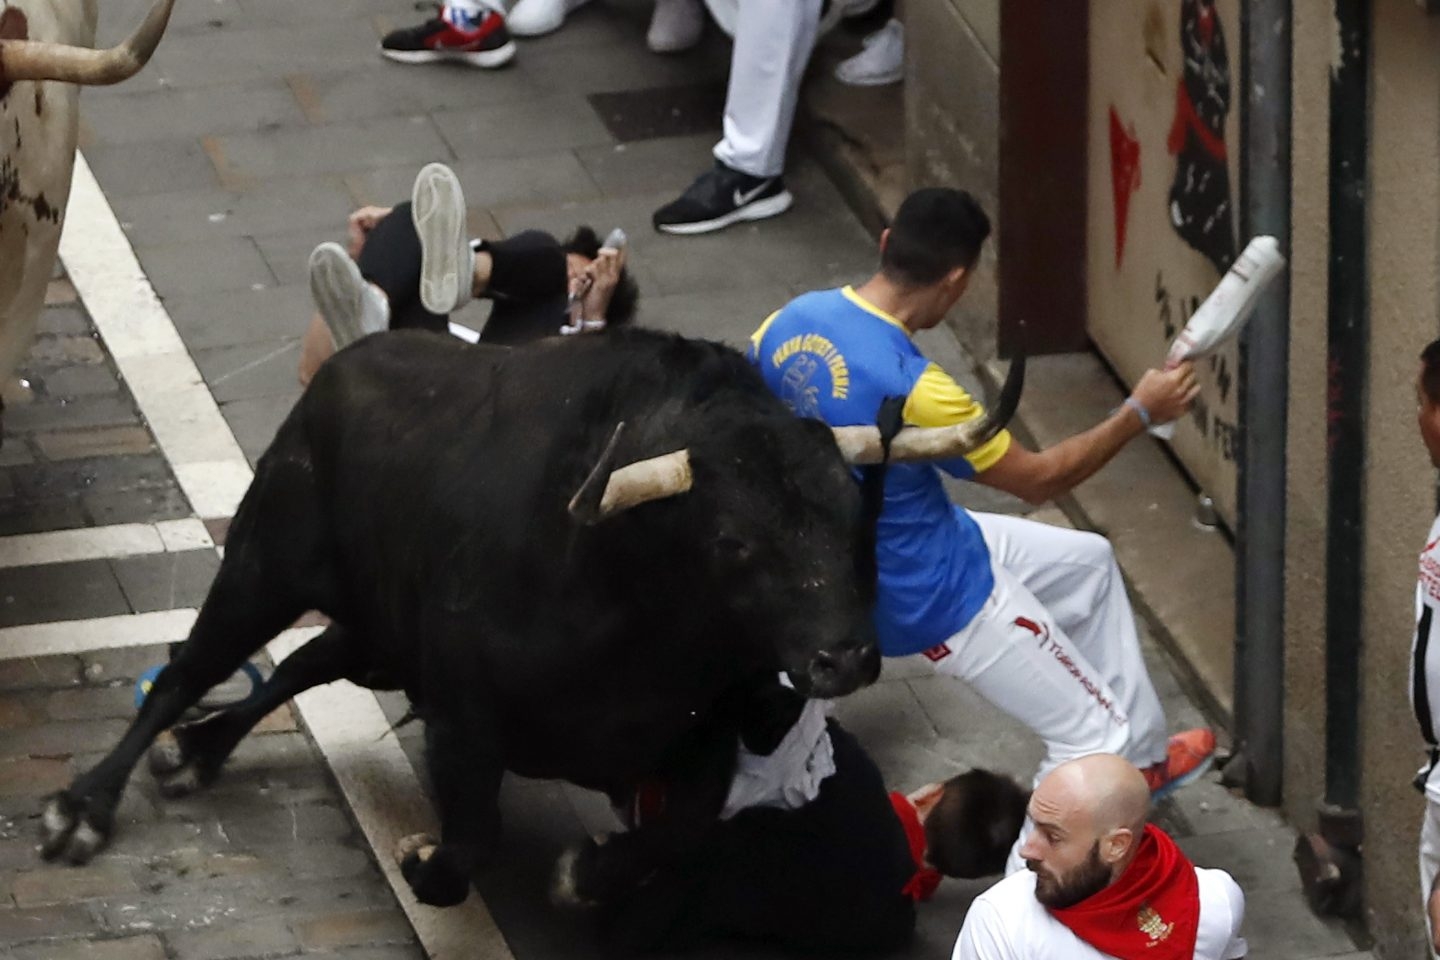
1034, 617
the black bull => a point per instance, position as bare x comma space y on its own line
419, 494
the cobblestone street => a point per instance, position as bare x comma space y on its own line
256, 128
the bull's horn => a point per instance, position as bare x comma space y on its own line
607, 491
37, 60
861, 445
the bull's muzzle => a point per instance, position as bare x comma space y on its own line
38, 60
834, 673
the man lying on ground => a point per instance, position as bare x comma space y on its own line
410, 266
811, 852
1102, 882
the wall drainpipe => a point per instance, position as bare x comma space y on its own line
1264, 376
1330, 860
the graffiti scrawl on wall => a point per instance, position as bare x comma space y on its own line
1124, 176
1200, 207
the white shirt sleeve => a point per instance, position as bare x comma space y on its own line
983, 936
1237, 947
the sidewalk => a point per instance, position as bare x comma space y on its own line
257, 127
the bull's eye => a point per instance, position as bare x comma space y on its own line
732, 549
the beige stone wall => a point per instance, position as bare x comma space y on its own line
1400, 484
1306, 488
952, 127
1136, 63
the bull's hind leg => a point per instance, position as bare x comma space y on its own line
189, 756
274, 570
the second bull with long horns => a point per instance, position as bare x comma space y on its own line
557, 596
44, 52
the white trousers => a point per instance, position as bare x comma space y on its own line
1429, 859
1074, 576
773, 41
1055, 647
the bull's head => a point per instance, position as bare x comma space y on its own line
37, 60
782, 531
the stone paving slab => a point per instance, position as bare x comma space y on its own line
246, 141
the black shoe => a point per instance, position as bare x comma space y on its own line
486, 43
720, 197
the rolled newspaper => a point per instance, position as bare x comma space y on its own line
1224, 312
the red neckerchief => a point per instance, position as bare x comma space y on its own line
922, 885
1151, 911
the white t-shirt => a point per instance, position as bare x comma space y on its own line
1006, 922
789, 777
1425, 650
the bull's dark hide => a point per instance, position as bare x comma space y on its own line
417, 494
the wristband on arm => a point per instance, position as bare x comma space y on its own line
1139, 409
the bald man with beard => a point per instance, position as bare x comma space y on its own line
1102, 882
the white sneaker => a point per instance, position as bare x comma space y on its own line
881, 62
447, 264
676, 25
531, 18
351, 306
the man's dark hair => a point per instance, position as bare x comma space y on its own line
971, 829
934, 231
626, 298
1430, 371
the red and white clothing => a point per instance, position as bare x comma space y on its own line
1425, 700
1006, 922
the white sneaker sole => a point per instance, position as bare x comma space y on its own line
484, 59
337, 288
870, 79
438, 207
759, 210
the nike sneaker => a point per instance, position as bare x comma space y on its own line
1190, 754
480, 42
720, 197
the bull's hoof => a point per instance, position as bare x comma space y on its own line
565, 886
421, 845
432, 873
74, 828
181, 761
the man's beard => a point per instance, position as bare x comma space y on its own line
1083, 882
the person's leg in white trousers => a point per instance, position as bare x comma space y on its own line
773, 41
1073, 574
1014, 654
1429, 859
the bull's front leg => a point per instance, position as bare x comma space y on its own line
465, 776
696, 782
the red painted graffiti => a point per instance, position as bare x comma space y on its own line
1124, 176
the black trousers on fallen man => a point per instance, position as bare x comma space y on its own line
825, 878
528, 281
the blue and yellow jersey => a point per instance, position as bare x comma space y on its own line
833, 356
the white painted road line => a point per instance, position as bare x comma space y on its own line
149, 352
103, 543
101, 633
348, 725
